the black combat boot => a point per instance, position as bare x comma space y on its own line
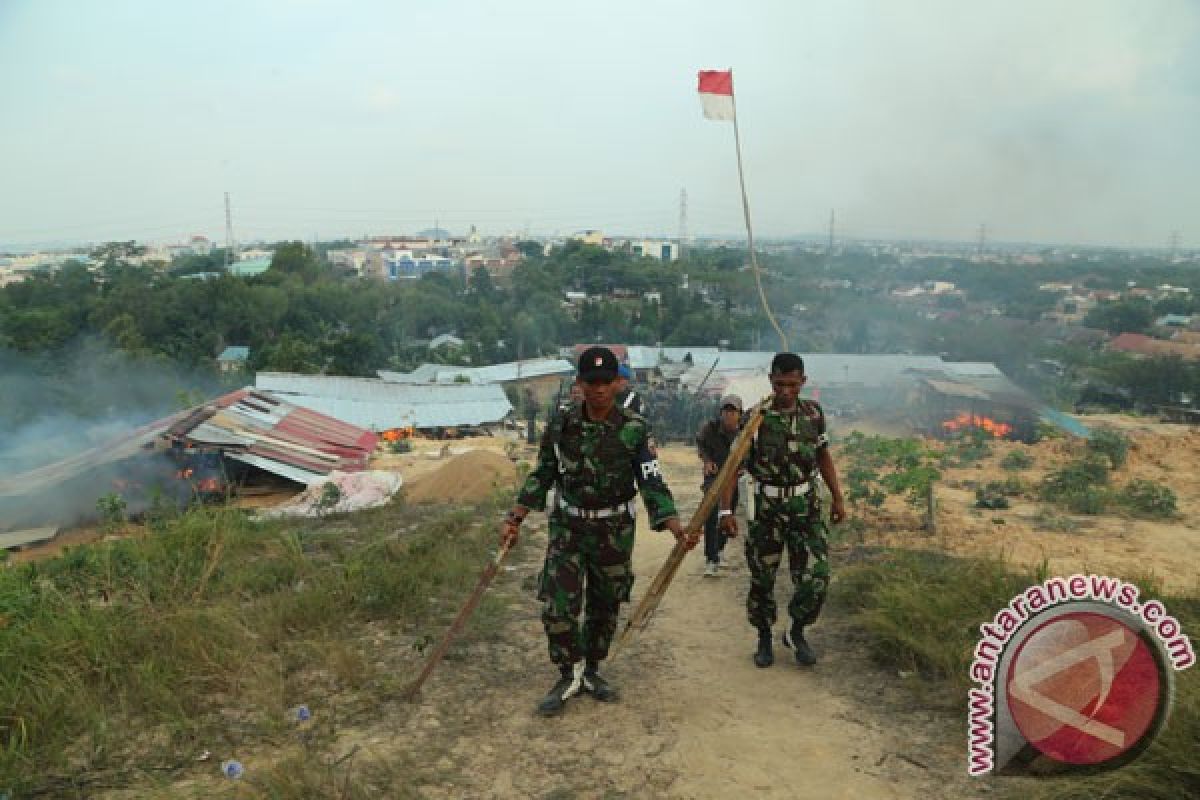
805, 656
569, 683
600, 688
764, 656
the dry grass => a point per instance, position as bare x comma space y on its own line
125, 659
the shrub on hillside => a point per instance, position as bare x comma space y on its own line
968, 447
1016, 461
1080, 485
1111, 444
1149, 498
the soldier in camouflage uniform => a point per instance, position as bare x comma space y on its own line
597, 455
789, 449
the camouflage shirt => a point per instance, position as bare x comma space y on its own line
784, 451
599, 465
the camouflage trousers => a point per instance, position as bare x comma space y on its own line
793, 524
588, 570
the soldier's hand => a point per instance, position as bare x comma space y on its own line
710, 467
509, 529
729, 526
681, 536
837, 510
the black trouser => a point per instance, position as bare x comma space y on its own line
714, 537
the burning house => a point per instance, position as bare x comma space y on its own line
947, 404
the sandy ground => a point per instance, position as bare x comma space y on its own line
1111, 543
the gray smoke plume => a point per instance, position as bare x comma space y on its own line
53, 409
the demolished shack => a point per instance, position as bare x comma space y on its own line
208, 451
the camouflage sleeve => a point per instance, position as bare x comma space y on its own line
532, 493
660, 505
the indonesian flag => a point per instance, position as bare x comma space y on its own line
716, 93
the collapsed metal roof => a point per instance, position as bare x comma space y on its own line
276, 435
251, 426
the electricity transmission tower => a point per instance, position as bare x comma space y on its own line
228, 233
682, 222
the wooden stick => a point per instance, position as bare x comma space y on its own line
456, 627
640, 617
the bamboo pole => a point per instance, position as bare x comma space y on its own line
762, 295
640, 617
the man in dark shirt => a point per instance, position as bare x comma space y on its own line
713, 443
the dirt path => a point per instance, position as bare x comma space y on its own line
696, 720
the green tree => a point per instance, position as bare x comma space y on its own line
296, 259
1122, 316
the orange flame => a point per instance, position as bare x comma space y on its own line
964, 420
396, 434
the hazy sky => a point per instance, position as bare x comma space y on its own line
1050, 121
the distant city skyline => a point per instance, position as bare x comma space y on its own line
1069, 123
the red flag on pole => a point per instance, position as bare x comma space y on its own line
716, 93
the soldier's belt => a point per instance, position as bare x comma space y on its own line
767, 490
597, 513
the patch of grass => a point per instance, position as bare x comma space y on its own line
922, 610
309, 775
147, 650
1047, 520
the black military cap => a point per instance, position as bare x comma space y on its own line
597, 363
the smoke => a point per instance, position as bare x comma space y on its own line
53, 408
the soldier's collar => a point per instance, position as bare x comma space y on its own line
616, 415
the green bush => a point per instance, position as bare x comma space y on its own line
879, 466
990, 499
1017, 460
1111, 444
1149, 498
968, 447
1089, 500
1081, 485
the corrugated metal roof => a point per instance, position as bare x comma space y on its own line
511, 371
429, 413
824, 370
380, 404
647, 357
426, 373
373, 390
493, 373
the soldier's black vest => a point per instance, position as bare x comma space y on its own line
595, 468
785, 448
